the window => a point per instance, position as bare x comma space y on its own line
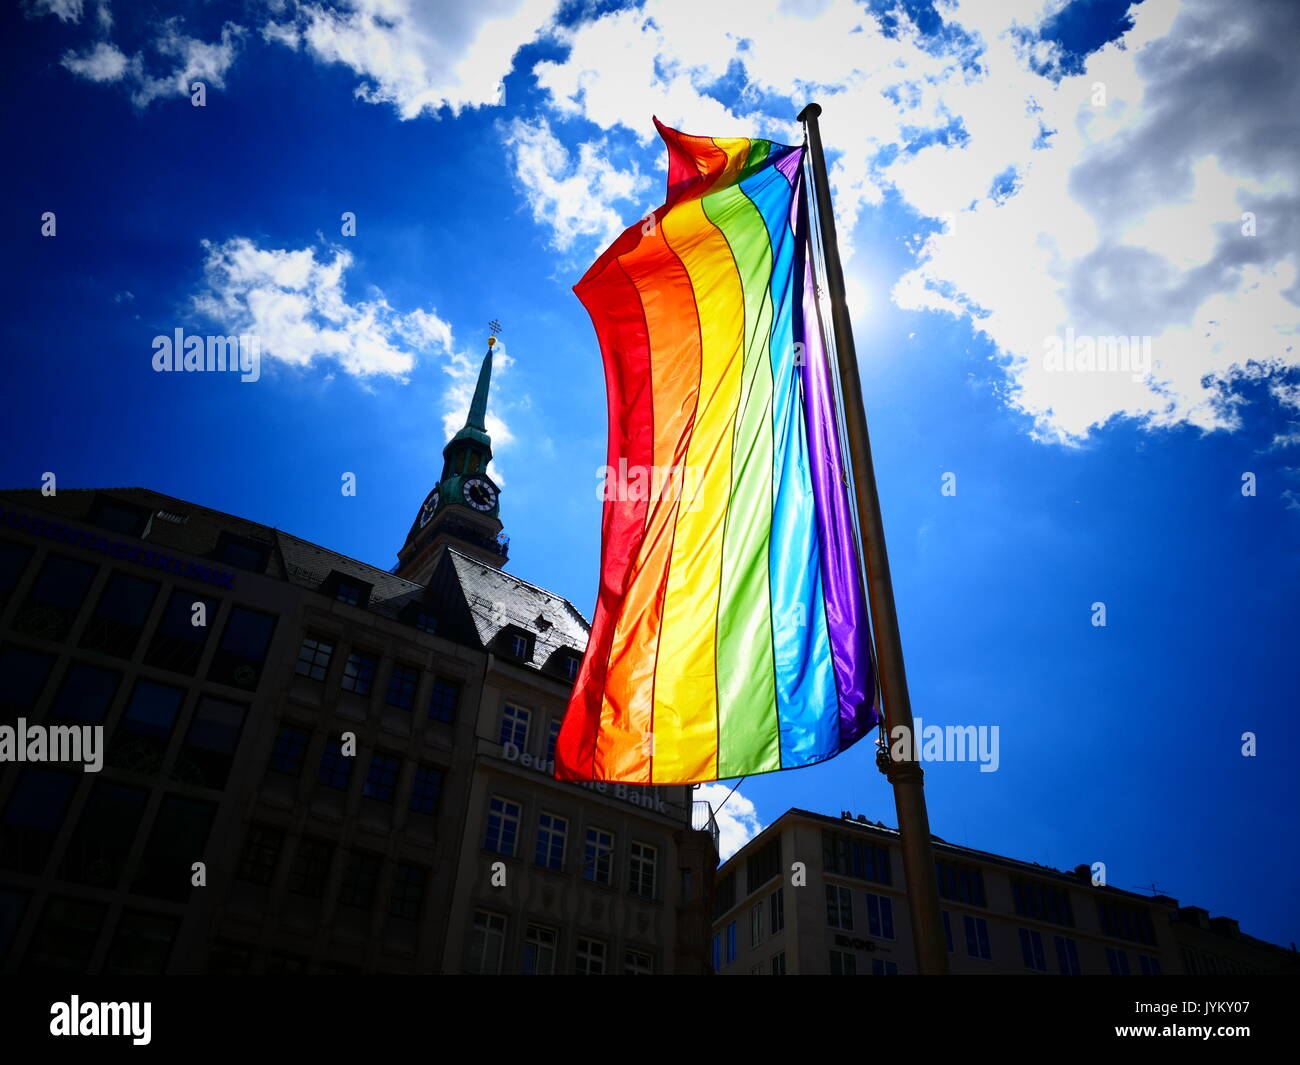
776, 911
311, 867
289, 751
13, 561
880, 916
880, 967
756, 925
947, 930
314, 657
960, 883
116, 516
426, 789
598, 856
426, 622
209, 750
99, 847
486, 942
1067, 956
142, 736
359, 672
1042, 902
351, 592
569, 664
849, 857
179, 836
408, 891
55, 598
642, 863
242, 552
553, 738
360, 878
444, 700
731, 942
778, 963
519, 644
33, 817
539, 951
65, 938
843, 963
119, 619
977, 937
724, 895
142, 943
24, 673
1126, 922
335, 766
762, 866
502, 826
242, 650
839, 907
1150, 966
402, 682
717, 952
638, 963
1118, 962
1031, 950
86, 693
261, 853
178, 643
514, 726
551, 834
591, 957
381, 781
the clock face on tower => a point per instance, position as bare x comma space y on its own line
479, 493
430, 505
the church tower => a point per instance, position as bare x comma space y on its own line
462, 510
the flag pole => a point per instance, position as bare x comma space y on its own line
905, 775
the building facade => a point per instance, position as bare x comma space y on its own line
311, 764
820, 895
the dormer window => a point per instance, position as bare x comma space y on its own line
118, 516
517, 643
242, 552
570, 664
344, 588
426, 623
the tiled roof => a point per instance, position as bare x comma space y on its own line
498, 599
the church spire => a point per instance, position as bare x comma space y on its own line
463, 508
478, 409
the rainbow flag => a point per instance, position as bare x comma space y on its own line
730, 635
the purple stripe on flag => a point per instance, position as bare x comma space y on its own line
846, 609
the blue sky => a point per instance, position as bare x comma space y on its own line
990, 197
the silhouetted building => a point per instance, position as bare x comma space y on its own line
357, 757
812, 894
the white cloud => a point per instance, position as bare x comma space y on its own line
66, 10
191, 60
296, 304
101, 63
574, 198
196, 61
738, 821
419, 55
1116, 220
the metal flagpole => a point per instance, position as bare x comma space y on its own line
906, 776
